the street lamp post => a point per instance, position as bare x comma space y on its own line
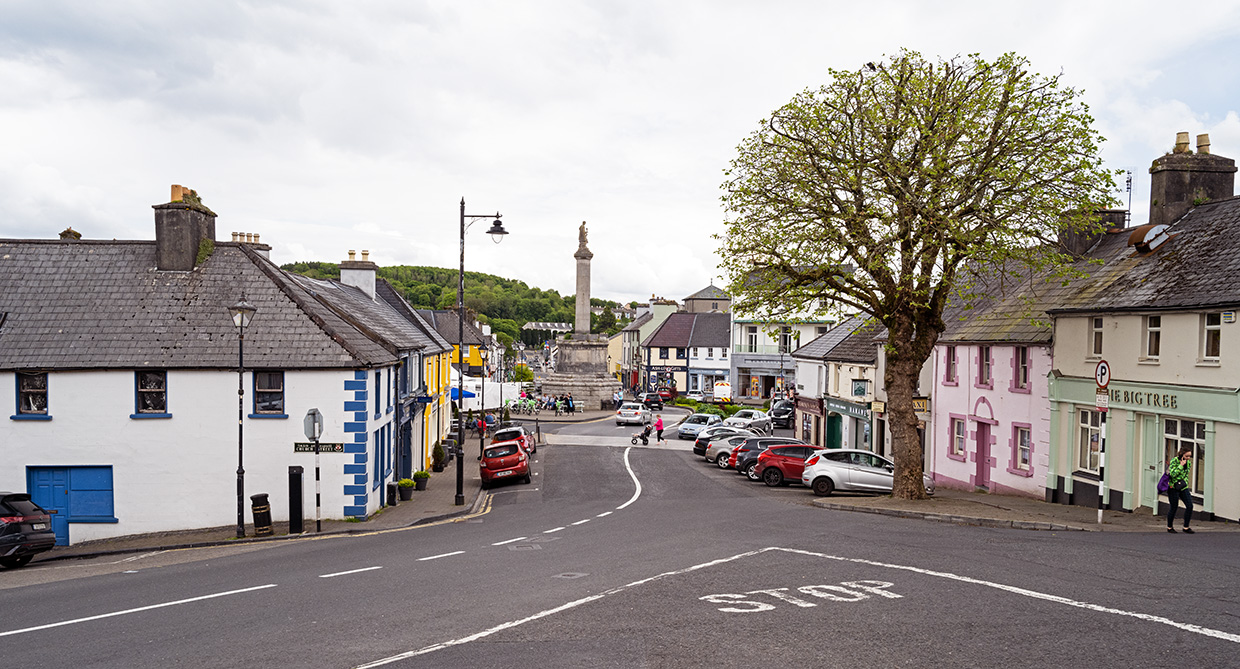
241, 312
497, 233
485, 354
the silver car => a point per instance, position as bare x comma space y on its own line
693, 425
853, 470
720, 448
633, 412
751, 419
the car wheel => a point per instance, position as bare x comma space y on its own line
618, 423
485, 485
772, 477
721, 460
15, 562
823, 486
751, 472
527, 479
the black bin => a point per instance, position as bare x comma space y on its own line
296, 515
262, 514
391, 494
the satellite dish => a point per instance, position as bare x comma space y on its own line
1147, 238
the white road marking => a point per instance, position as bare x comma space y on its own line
636, 493
510, 541
603, 514
351, 571
1196, 629
582, 522
137, 610
554, 530
443, 555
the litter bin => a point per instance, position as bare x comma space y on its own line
295, 514
391, 494
261, 510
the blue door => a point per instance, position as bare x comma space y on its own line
49, 488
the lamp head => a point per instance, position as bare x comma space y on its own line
242, 312
497, 230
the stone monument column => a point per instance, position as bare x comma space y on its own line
583, 256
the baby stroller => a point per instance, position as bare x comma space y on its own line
644, 435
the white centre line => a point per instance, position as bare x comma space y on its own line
554, 530
636, 493
436, 557
351, 571
510, 541
582, 522
141, 608
603, 514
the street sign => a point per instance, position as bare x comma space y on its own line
1101, 400
324, 447
314, 424
1102, 374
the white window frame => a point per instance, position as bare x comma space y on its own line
1024, 448
1211, 334
1095, 335
984, 371
1153, 337
1088, 433
1178, 432
960, 436
1022, 367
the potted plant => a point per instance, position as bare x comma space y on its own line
438, 457
405, 488
419, 479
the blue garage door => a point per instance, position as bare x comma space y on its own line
72, 495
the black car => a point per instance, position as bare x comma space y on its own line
25, 530
748, 452
781, 413
652, 401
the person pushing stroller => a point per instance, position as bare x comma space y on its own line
644, 435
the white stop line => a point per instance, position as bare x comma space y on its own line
1188, 627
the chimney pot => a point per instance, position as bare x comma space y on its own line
256, 238
1181, 142
1203, 143
352, 255
249, 238
365, 255
234, 236
176, 193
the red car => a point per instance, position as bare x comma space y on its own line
516, 433
779, 464
505, 460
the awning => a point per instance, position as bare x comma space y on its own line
467, 394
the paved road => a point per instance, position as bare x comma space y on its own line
623, 556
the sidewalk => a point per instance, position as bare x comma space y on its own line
1022, 513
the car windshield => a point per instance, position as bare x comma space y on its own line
506, 435
631, 407
501, 451
695, 420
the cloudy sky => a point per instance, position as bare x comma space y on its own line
329, 126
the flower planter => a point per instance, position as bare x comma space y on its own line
420, 484
406, 494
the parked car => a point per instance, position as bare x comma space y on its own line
505, 460
652, 401
691, 426
783, 464
715, 431
695, 395
516, 433
633, 412
752, 419
782, 413
667, 394
25, 530
745, 457
719, 450
853, 470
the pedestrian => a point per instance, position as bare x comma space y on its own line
572, 408
1178, 472
658, 429
615, 399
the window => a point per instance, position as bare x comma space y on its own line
820, 330
269, 393
378, 391
785, 339
710, 352
1211, 336
695, 351
859, 387
402, 377
958, 437
680, 354
949, 366
983, 366
714, 305
32, 393
663, 353
1022, 450
1020, 363
1153, 336
723, 353
751, 337
1088, 443
152, 393
1178, 433
1095, 335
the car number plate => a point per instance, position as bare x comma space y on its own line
507, 473
39, 526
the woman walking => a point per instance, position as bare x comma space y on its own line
1178, 471
658, 429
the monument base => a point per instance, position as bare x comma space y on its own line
581, 370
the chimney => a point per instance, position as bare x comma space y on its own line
251, 239
1182, 179
359, 273
181, 226
1079, 243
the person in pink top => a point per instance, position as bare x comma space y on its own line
658, 429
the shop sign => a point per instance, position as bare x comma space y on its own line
847, 408
811, 405
1146, 399
921, 405
878, 407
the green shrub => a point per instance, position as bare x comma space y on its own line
421, 474
405, 483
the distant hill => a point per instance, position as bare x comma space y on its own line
494, 298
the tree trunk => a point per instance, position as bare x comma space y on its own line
901, 378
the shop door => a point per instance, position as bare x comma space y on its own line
835, 430
1151, 461
982, 478
49, 488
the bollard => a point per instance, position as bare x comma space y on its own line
295, 514
261, 511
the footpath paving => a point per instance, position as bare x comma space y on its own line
437, 503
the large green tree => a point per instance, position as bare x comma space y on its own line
875, 193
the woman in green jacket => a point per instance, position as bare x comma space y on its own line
1178, 472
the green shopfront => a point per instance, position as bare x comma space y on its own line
1144, 424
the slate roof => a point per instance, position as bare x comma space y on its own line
445, 323
435, 343
1198, 268
860, 346
102, 305
374, 317
710, 292
638, 322
711, 330
823, 344
673, 332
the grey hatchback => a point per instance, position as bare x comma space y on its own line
25, 530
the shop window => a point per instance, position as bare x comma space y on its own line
1179, 433
1211, 336
1088, 440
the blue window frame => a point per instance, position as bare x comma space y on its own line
32, 396
150, 388
378, 392
268, 395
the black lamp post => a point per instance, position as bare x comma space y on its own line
497, 233
241, 312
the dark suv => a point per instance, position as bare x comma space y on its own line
745, 456
781, 413
25, 530
652, 401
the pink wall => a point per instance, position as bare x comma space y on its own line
993, 411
